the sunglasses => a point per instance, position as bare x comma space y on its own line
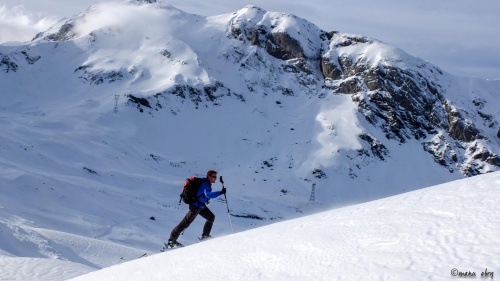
214, 177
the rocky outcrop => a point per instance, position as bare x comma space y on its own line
376, 147
87, 75
7, 65
394, 100
352, 84
30, 59
198, 95
442, 151
479, 160
461, 129
138, 102
283, 46
407, 103
275, 41
64, 33
330, 70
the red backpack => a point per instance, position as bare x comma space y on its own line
190, 190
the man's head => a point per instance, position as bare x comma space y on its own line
212, 176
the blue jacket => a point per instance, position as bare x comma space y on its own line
205, 193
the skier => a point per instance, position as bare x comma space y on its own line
198, 208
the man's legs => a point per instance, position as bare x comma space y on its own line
210, 218
185, 222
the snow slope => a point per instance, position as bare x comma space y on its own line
420, 235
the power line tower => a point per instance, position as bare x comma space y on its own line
313, 193
115, 110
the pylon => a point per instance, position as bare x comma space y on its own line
313, 193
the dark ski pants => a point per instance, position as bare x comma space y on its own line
189, 218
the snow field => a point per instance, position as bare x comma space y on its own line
420, 235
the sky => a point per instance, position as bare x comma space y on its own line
459, 36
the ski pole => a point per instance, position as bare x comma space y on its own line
227, 204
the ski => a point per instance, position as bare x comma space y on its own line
201, 239
167, 248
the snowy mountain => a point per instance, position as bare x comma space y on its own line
104, 115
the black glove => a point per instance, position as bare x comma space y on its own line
223, 191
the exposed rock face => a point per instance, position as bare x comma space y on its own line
65, 32
478, 157
396, 99
259, 31
377, 148
442, 151
279, 45
30, 59
99, 77
330, 70
7, 65
459, 128
284, 47
209, 93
